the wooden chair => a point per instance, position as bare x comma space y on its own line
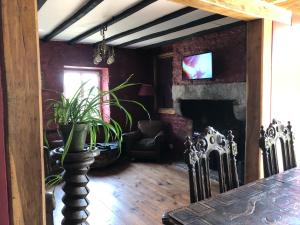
276, 134
197, 156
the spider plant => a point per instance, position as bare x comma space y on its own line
86, 110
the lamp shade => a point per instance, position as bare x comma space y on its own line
146, 90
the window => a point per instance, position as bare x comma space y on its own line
73, 79
98, 78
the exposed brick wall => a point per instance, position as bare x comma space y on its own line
56, 55
229, 55
229, 62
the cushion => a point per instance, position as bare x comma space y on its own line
145, 144
150, 128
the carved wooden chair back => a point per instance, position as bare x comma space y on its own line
197, 155
269, 139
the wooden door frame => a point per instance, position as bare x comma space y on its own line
20, 67
4, 213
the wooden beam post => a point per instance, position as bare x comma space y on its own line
20, 64
242, 9
293, 5
4, 214
259, 41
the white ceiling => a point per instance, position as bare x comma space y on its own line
184, 32
54, 12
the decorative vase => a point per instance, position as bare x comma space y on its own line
76, 165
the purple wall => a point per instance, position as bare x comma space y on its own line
55, 55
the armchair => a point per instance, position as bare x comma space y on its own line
146, 142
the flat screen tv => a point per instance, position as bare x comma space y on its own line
195, 67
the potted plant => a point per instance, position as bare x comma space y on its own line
76, 117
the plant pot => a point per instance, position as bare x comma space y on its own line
78, 138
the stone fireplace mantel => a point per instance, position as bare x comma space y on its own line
216, 91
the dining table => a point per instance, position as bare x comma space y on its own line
272, 200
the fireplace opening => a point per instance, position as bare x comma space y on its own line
220, 115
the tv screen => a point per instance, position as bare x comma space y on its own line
196, 67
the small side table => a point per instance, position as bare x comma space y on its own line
109, 153
104, 153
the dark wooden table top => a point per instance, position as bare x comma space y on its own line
274, 200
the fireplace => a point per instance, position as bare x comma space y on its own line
221, 106
218, 114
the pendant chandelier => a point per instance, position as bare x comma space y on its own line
103, 51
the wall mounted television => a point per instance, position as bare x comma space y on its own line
197, 67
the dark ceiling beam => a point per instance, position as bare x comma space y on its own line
40, 3
89, 6
174, 29
152, 23
113, 20
197, 34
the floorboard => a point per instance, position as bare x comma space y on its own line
132, 193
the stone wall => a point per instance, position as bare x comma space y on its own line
219, 91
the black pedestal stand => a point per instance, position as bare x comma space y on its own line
76, 166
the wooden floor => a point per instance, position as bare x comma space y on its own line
132, 193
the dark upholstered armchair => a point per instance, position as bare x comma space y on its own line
146, 142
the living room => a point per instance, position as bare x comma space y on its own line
152, 40
59, 57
